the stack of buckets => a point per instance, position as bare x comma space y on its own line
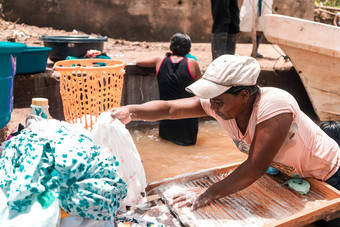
8, 53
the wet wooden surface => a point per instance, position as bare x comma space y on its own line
267, 202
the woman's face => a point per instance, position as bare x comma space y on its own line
227, 106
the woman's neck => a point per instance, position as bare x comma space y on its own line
176, 58
243, 119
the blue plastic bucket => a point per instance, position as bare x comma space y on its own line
33, 60
8, 53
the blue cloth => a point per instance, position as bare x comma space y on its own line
190, 56
260, 7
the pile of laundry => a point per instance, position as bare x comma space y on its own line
53, 172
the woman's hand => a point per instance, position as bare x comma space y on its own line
202, 200
193, 197
121, 113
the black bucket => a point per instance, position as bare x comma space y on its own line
74, 45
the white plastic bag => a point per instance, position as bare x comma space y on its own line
112, 135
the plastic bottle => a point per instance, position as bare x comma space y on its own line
39, 107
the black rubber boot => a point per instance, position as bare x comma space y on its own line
218, 44
231, 43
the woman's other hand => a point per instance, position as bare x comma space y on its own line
121, 113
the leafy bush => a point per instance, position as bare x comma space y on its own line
331, 3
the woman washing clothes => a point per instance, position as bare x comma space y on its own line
174, 73
264, 122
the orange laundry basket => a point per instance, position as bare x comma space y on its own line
89, 87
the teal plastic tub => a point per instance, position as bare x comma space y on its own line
8, 55
33, 60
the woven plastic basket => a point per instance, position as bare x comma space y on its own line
89, 87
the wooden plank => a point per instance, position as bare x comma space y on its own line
329, 8
254, 49
190, 176
326, 11
332, 216
170, 208
267, 202
308, 216
311, 53
323, 188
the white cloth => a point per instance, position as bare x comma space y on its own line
246, 14
76, 221
36, 216
111, 135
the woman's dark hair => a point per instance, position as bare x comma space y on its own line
332, 129
180, 44
235, 90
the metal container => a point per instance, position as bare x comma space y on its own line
74, 45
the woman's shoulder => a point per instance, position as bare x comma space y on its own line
276, 97
272, 93
275, 100
191, 61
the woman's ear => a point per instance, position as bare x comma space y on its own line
244, 94
171, 52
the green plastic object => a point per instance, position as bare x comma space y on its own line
33, 60
8, 56
45, 198
272, 171
300, 185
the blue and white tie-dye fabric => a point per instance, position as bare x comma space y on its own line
58, 159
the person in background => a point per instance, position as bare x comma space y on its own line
263, 7
225, 28
336, 20
175, 72
332, 129
264, 122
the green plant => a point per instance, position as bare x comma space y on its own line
332, 3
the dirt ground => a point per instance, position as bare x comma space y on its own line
127, 51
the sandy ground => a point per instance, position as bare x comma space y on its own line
128, 51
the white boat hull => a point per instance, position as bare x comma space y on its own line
314, 49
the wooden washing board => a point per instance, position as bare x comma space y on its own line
267, 202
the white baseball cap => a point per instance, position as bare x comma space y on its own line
223, 73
